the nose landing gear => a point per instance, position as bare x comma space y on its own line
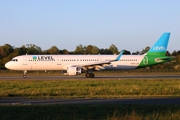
25, 76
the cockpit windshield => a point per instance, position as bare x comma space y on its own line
15, 60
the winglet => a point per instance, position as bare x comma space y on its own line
119, 56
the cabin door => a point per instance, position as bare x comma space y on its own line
59, 61
25, 60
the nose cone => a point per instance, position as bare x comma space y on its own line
8, 65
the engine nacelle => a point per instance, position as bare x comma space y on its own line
72, 71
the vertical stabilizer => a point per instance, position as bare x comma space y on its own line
160, 47
156, 54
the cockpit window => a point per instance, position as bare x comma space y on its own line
15, 60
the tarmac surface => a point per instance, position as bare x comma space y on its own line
129, 101
83, 77
138, 101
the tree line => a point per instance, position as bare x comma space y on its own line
7, 52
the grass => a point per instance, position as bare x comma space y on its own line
90, 88
90, 112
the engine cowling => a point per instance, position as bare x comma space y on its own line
72, 71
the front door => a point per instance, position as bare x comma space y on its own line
25, 60
59, 61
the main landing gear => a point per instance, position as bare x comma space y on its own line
25, 76
90, 75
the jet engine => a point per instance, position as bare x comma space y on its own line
72, 71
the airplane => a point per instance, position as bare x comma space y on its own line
77, 64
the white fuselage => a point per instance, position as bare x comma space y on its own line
61, 62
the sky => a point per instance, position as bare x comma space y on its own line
128, 24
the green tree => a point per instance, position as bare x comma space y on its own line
53, 50
178, 59
7, 53
89, 49
126, 52
113, 49
168, 53
2, 52
178, 52
33, 49
45, 52
23, 50
145, 50
136, 53
104, 51
5, 50
65, 51
174, 53
79, 49
95, 50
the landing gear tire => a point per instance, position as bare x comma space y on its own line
87, 75
24, 76
90, 75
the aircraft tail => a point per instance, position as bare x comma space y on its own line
157, 52
160, 47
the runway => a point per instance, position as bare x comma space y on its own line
83, 77
129, 101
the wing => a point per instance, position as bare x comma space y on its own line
98, 65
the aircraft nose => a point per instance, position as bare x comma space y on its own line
8, 65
